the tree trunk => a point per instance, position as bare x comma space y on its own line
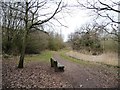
21, 61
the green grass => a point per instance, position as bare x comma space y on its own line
43, 57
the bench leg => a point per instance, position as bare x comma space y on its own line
52, 63
61, 69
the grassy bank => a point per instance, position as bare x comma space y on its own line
43, 57
83, 62
62, 54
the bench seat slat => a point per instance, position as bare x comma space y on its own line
60, 64
57, 65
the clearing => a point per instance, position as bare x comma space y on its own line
38, 74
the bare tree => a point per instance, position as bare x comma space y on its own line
109, 9
35, 14
102, 8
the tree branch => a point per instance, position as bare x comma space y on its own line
108, 7
46, 20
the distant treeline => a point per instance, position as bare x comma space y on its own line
37, 41
93, 39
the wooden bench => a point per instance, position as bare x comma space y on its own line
57, 66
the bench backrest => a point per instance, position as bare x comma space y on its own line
53, 62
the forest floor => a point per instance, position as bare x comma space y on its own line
38, 74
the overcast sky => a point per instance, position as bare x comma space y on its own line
79, 17
73, 20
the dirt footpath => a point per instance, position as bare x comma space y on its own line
83, 76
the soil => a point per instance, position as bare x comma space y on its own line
41, 75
